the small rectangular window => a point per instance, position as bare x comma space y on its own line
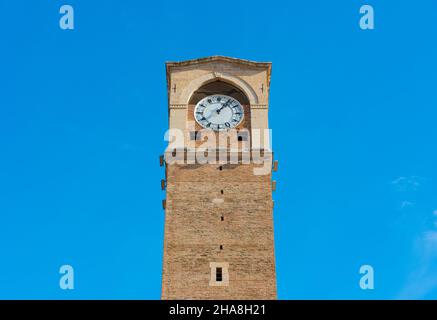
243, 136
194, 135
219, 275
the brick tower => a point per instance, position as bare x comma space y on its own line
218, 238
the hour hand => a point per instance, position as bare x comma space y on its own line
207, 114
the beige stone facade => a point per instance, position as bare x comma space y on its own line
219, 240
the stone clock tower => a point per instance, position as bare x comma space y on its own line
218, 241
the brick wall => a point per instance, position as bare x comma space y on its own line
194, 232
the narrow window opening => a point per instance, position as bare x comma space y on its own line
222, 218
221, 247
243, 136
221, 191
220, 168
219, 275
195, 135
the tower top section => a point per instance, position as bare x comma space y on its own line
185, 77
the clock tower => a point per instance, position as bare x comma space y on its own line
218, 237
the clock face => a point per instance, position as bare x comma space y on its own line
218, 112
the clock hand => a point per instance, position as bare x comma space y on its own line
223, 105
207, 116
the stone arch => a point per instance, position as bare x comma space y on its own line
214, 76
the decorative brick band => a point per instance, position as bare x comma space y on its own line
252, 106
178, 106
259, 106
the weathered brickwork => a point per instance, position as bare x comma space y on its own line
195, 231
218, 215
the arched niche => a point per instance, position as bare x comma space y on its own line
236, 82
218, 86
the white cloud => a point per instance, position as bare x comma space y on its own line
406, 204
435, 215
423, 279
410, 183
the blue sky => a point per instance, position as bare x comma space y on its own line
83, 113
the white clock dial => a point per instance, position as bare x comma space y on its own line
218, 112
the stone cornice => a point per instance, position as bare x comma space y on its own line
262, 65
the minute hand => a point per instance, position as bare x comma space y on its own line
223, 105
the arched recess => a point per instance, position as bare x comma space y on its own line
218, 86
195, 84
